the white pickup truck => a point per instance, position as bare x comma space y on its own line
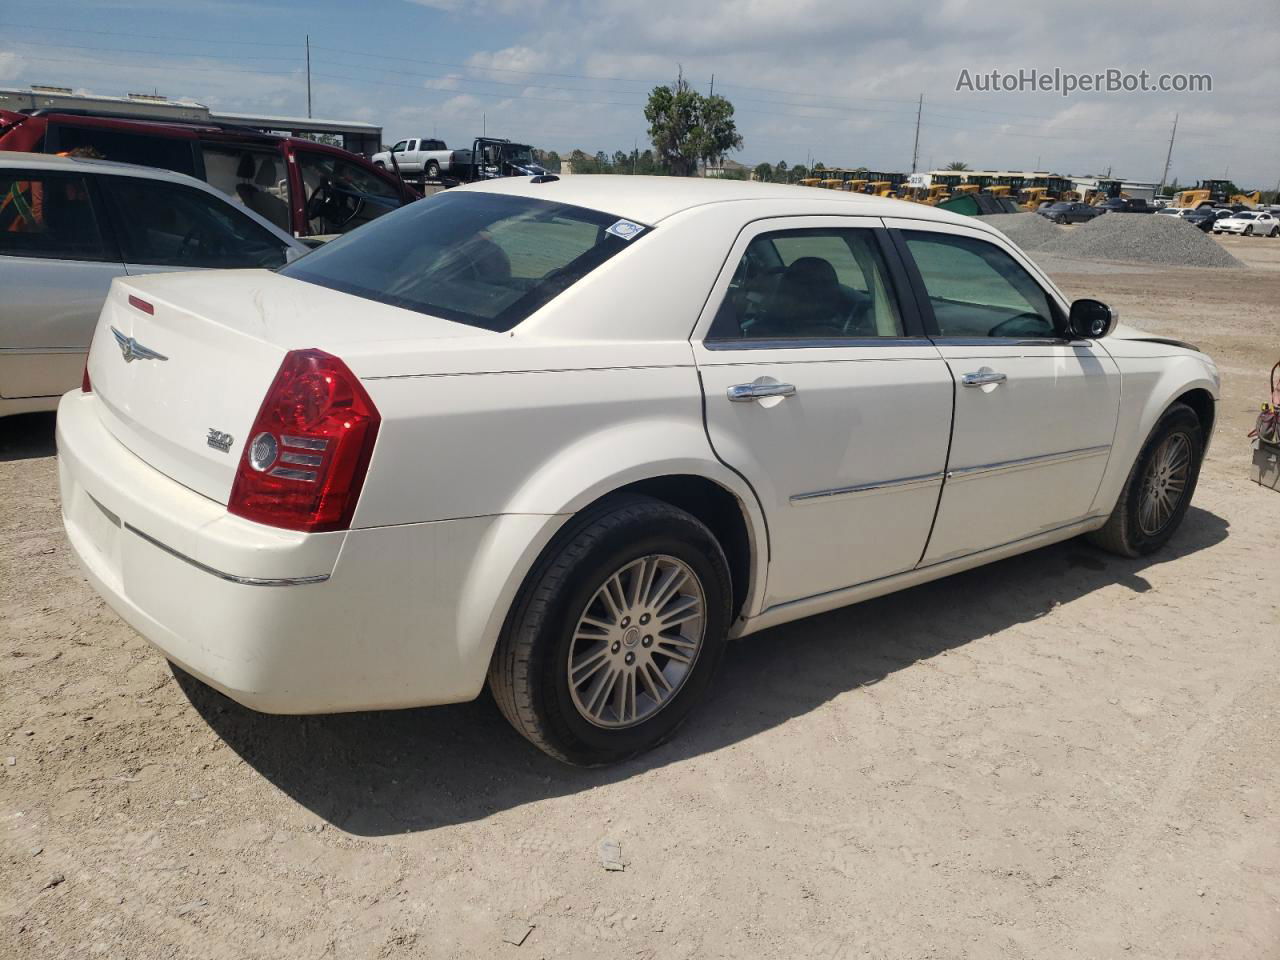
416, 157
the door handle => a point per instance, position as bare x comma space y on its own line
746, 392
982, 378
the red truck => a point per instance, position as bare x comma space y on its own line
308, 189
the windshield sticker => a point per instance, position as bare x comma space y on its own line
626, 229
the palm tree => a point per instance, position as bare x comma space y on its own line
957, 165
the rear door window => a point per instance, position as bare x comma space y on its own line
168, 153
49, 216
483, 259
253, 178
169, 224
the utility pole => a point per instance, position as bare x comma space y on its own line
308, 76
1167, 158
713, 85
915, 150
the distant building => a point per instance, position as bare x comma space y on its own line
1138, 189
726, 168
353, 135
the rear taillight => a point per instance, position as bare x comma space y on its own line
305, 459
85, 385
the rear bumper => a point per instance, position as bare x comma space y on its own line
279, 621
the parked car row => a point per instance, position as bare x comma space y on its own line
305, 188
1249, 223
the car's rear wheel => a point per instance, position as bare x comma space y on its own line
1275, 232
616, 635
1158, 491
433, 168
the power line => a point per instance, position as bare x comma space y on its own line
146, 36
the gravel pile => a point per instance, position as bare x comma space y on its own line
1140, 238
1028, 230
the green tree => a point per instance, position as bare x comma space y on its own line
956, 165
763, 172
781, 172
687, 128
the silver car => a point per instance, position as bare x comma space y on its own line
69, 226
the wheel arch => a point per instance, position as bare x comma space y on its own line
580, 477
1201, 401
1151, 385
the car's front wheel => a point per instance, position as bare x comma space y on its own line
1158, 491
1248, 231
617, 634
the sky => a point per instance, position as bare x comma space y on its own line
810, 81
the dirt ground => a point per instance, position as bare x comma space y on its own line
1062, 755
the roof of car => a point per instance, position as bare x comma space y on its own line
47, 161
652, 199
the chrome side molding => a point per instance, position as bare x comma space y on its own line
920, 480
221, 575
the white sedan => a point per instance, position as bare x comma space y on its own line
1249, 223
570, 436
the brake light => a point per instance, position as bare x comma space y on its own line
306, 457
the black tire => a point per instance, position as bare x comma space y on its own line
528, 673
380, 165
1248, 231
433, 169
1275, 232
1123, 533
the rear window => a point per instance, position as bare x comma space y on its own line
483, 259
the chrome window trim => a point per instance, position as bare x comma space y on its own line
231, 577
1062, 456
873, 487
795, 343
1009, 342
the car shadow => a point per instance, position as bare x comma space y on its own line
27, 436
374, 774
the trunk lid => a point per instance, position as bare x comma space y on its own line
203, 350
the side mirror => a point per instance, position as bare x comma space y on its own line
1090, 319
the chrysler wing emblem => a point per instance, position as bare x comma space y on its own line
132, 350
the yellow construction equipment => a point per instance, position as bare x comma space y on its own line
1030, 198
1206, 193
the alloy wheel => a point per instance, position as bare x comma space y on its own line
1165, 483
636, 642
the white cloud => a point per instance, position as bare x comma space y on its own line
10, 66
